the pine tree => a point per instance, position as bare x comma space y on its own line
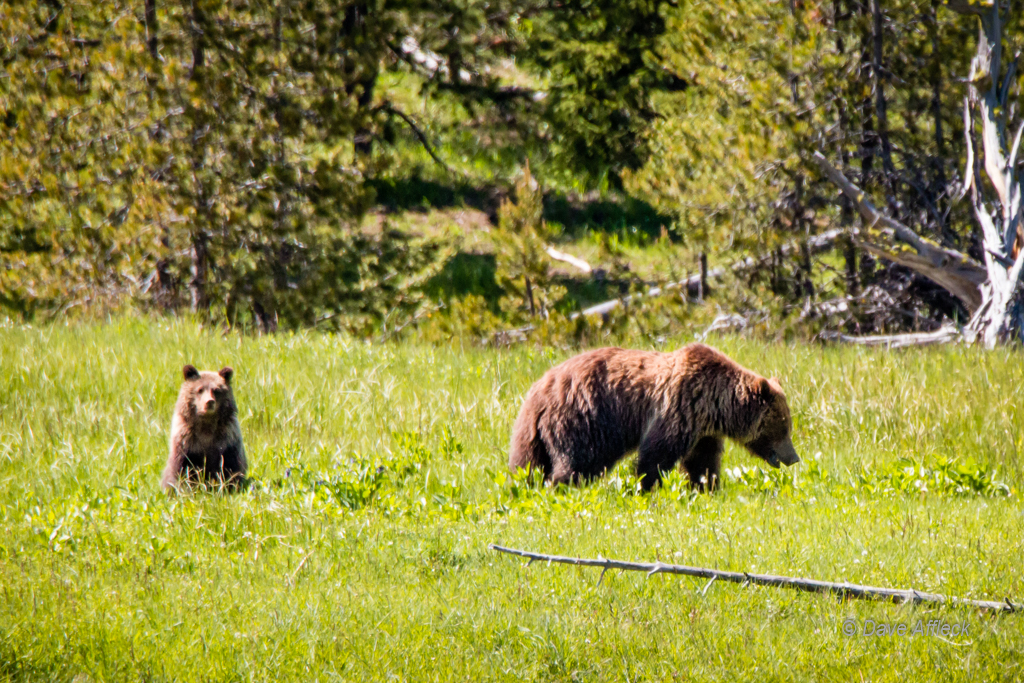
523, 266
203, 154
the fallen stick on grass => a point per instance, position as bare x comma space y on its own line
846, 590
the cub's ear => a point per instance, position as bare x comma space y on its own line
764, 387
190, 372
226, 373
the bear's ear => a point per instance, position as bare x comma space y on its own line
226, 373
764, 387
190, 372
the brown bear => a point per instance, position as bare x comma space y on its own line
206, 441
584, 415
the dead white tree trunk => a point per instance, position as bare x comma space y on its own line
992, 294
997, 210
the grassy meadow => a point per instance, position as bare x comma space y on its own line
360, 552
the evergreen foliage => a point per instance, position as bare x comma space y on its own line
523, 266
221, 156
200, 154
213, 154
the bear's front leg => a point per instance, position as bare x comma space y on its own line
659, 451
703, 464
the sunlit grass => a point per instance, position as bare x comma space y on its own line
360, 551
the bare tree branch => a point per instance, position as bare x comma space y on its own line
844, 589
950, 269
1016, 146
391, 109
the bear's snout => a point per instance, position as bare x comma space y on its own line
783, 453
206, 403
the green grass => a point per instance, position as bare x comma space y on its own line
360, 552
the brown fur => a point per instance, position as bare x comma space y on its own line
206, 441
584, 415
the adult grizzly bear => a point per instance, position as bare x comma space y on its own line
584, 415
206, 442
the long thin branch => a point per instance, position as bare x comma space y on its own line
1016, 146
844, 589
391, 109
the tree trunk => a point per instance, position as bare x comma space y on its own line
362, 85
1000, 315
878, 79
165, 294
703, 276
936, 79
850, 258
868, 139
200, 234
845, 205
152, 38
266, 320
529, 297
200, 271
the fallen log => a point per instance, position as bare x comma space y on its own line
844, 589
610, 305
815, 244
943, 335
577, 263
724, 321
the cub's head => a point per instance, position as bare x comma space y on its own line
207, 395
771, 437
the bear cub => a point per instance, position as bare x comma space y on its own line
584, 415
206, 442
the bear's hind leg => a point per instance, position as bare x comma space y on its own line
703, 464
528, 451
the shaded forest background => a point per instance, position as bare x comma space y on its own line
491, 168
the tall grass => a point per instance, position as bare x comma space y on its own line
360, 551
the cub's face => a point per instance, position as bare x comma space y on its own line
772, 440
207, 392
